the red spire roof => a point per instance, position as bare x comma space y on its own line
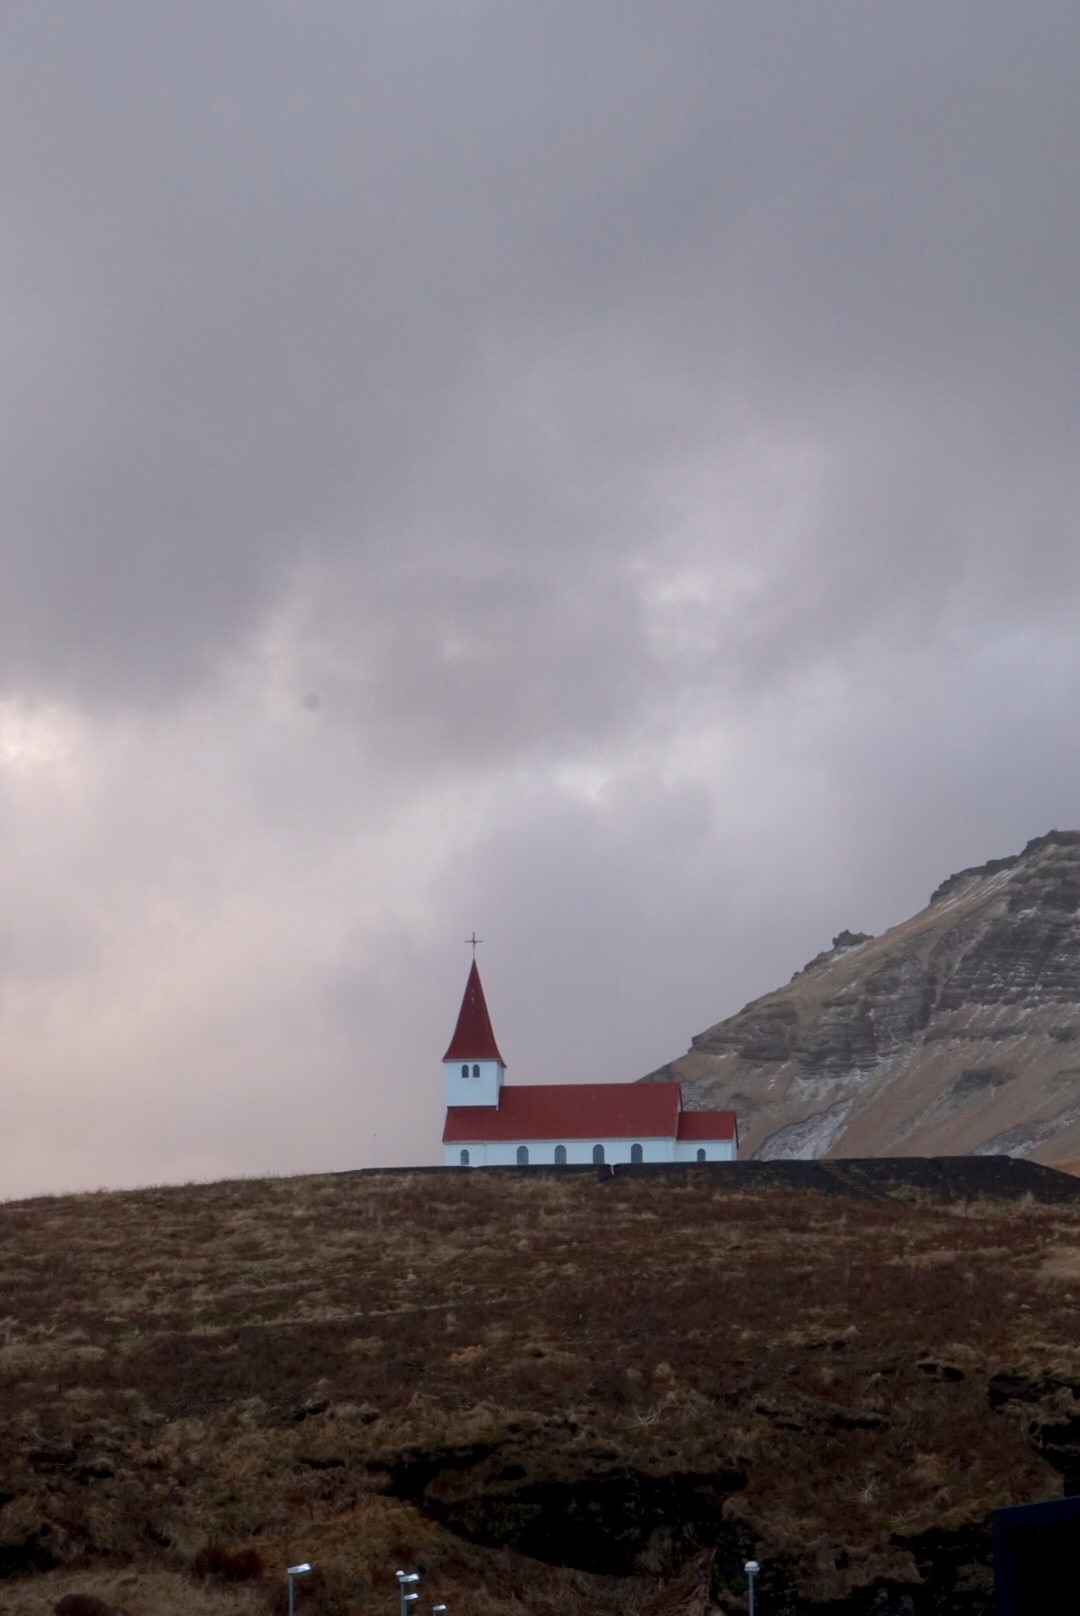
473, 1038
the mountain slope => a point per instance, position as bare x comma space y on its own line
956, 1032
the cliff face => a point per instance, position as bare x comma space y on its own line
956, 1032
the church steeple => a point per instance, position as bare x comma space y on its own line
473, 1038
472, 1064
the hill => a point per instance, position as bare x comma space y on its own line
955, 1032
547, 1391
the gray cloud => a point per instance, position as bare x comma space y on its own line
611, 470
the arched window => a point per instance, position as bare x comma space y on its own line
598, 1154
464, 1071
701, 1155
523, 1156
476, 1071
560, 1155
464, 1158
636, 1153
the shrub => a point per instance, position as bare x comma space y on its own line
82, 1605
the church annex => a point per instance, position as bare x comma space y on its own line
492, 1123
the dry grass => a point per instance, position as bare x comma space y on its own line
269, 1365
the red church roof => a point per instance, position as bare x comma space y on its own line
569, 1111
473, 1038
706, 1125
585, 1111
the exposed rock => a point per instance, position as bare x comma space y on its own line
1053, 838
589, 1513
950, 1034
1049, 1409
953, 1577
840, 944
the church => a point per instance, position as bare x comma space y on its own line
492, 1123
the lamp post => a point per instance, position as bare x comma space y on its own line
751, 1568
291, 1574
404, 1581
438, 1610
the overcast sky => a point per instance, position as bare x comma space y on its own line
596, 471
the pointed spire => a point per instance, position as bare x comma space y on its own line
473, 1038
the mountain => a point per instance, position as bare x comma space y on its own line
955, 1033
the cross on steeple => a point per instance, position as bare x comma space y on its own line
474, 939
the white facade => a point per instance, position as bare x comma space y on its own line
582, 1152
473, 1082
690, 1150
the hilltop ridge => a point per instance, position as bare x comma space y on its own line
955, 1032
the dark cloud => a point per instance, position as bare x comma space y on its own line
282, 281
612, 468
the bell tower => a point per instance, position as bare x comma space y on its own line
473, 1068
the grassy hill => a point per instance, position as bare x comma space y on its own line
548, 1392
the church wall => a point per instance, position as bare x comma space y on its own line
579, 1152
472, 1082
686, 1150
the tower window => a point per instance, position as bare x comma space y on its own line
701, 1155
464, 1158
464, 1071
523, 1155
560, 1155
636, 1153
598, 1154
476, 1071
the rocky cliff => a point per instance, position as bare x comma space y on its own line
957, 1032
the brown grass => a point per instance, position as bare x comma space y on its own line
259, 1372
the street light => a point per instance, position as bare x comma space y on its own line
292, 1572
751, 1568
404, 1579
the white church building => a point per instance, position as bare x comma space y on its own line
492, 1123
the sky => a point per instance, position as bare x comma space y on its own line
600, 474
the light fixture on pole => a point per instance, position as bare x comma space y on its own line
751, 1568
291, 1573
404, 1579
438, 1610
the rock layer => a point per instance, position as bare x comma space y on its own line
957, 1032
